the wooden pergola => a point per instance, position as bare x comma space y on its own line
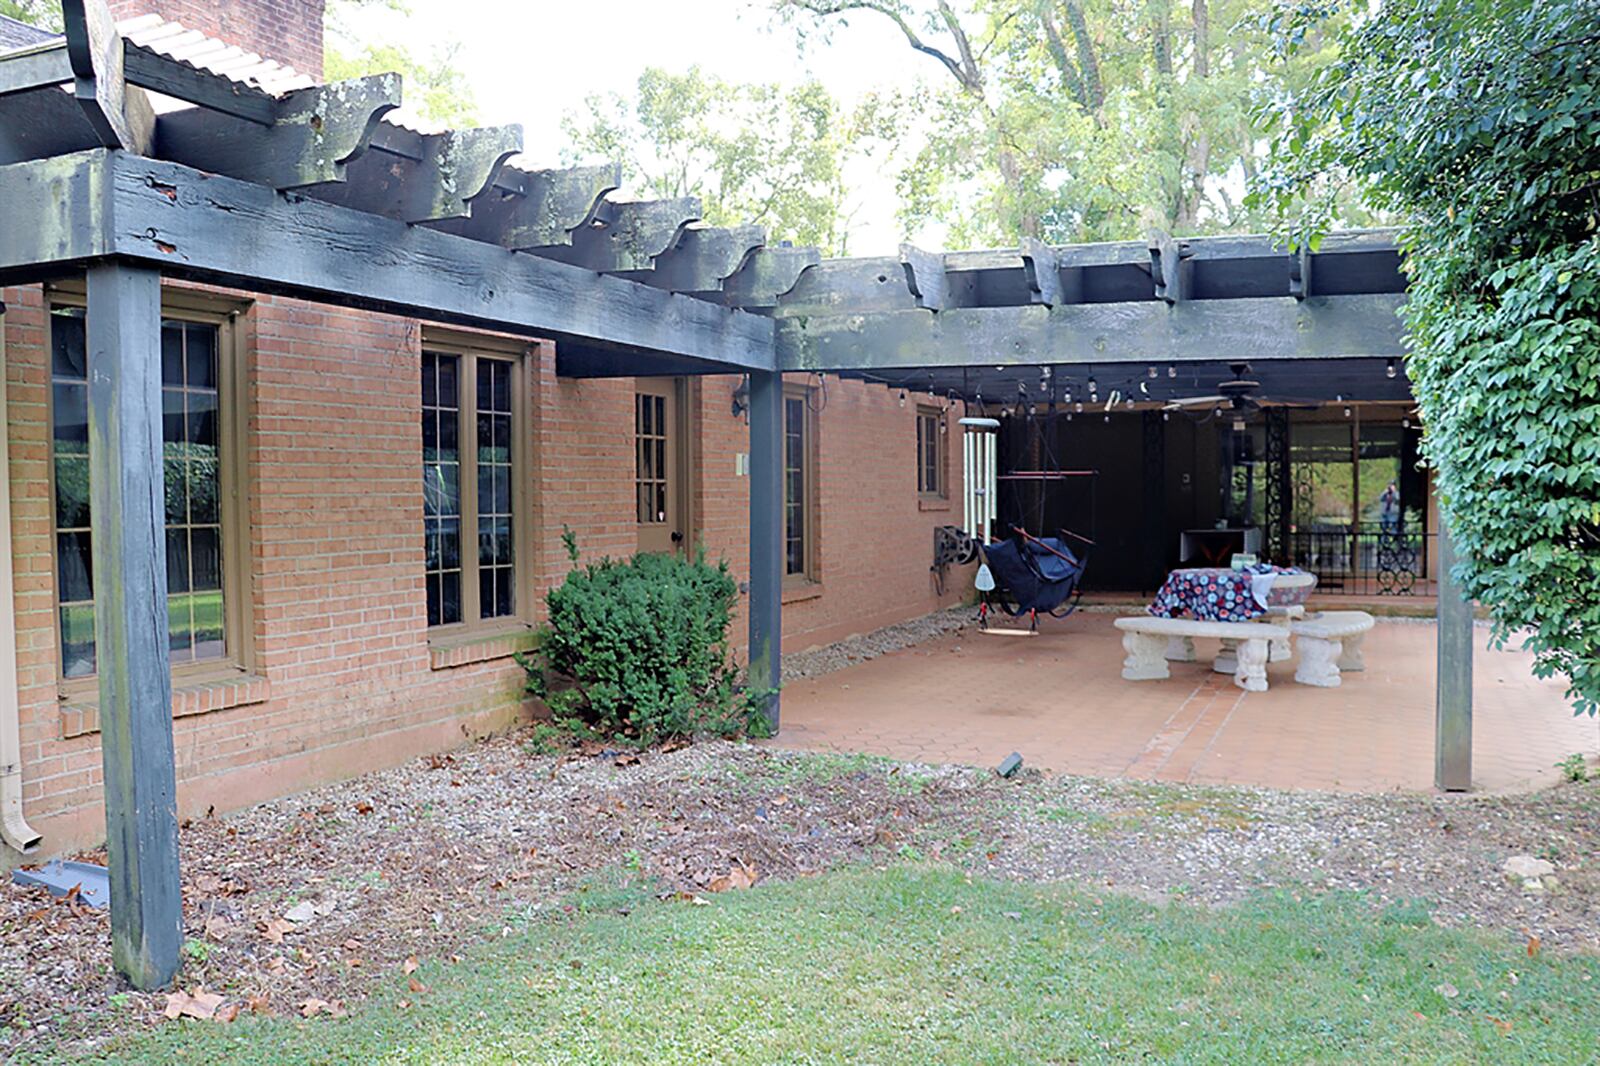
126, 165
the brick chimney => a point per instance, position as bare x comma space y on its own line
289, 31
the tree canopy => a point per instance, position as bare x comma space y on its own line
752, 152
435, 88
45, 14
1076, 120
1478, 122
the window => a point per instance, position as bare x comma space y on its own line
930, 451
798, 490
650, 470
471, 525
205, 559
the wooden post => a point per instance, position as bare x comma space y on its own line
128, 538
1452, 762
766, 535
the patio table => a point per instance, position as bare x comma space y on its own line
1215, 594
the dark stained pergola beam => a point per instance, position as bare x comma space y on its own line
211, 228
703, 258
446, 171
532, 209
627, 235
767, 275
35, 68
121, 116
1151, 332
315, 133
151, 70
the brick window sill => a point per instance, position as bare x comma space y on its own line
933, 503
800, 591
81, 716
480, 647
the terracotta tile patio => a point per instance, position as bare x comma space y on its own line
1059, 699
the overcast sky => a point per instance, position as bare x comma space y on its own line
535, 60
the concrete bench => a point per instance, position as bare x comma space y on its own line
1149, 640
1330, 644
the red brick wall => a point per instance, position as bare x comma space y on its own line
289, 31
343, 678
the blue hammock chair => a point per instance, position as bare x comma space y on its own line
1032, 574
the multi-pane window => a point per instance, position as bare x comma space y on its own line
797, 472
650, 457
194, 470
930, 452
469, 493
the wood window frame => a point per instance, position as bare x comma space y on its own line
233, 421
941, 488
468, 348
808, 575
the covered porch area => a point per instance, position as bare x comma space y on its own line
1057, 700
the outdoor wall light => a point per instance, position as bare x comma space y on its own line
741, 397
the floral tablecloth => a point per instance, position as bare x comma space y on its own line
1212, 594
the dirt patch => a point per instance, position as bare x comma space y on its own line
321, 896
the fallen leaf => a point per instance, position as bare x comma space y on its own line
416, 986
311, 1007
208, 884
738, 877
228, 1013
1533, 946
404, 1004
1447, 990
259, 1005
217, 928
354, 964
410, 965
196, 1003
1504, 1027
352, 944
363, 808
626, 759
275, 929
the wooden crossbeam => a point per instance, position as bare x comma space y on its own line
703, 258
767, 275
531, 209
35, 68
925, 277
840, 285
424, 177
209, 227
1168, 268
1041, 264
628, 234
315, 133
120, 116
1331, 327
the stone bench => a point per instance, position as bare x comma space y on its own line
1330, 644
1148, 639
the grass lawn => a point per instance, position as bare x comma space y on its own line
919, 964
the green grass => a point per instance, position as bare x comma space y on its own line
881, 966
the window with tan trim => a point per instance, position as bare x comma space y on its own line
475, 515
202, 394
799, 485
931, 452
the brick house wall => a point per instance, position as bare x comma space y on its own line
342, 676
289, 31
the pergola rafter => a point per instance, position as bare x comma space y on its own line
131, 163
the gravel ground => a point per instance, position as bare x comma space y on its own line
858, 649
424, 859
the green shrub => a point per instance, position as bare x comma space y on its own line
637, 649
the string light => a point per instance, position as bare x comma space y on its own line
1389, 369
1093, 388
1078, 407
1172, 371
902, 397
1152, 372
1166, 416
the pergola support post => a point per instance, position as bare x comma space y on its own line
128, 539
766, 537
1452, 764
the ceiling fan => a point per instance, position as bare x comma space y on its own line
1237, 392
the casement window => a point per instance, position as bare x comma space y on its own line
799, 486
474, 518
930, 452
201, 395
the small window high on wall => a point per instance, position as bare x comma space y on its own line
473, 428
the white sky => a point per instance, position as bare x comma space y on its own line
535, 61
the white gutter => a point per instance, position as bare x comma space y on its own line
14, 829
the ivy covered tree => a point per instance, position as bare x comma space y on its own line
1478, 123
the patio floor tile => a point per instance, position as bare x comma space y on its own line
1060, 700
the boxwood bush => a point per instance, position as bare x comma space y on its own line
637, 649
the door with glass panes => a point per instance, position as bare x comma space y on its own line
660, 479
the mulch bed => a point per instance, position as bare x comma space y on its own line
305, 904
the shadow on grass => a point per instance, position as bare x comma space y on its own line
922, 964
